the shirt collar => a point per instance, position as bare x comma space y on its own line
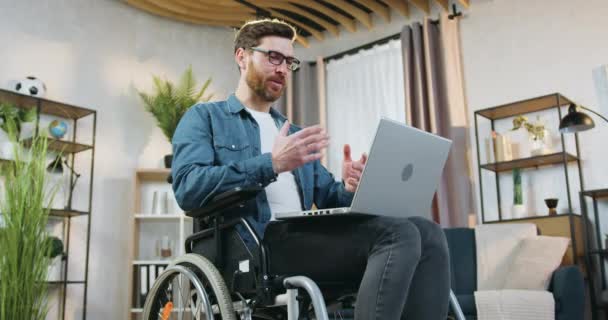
235, 106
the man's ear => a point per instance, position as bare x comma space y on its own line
241, 58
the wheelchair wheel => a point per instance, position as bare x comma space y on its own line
190, 288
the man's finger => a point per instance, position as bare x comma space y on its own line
312, 157
314, 138
315, 147
347, 153
351, 182
284, 129
316, 129
363, 158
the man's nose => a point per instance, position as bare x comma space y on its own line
283, 67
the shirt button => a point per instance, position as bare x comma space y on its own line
233, 147
259, 184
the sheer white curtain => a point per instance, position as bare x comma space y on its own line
361, 88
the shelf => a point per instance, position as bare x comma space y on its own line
532, 162
597, 193
536, 217
525, 106
140, 310
153, 174
50, 107
64, 282
151, 262
160, 216
602, 252
62, 146
65, 213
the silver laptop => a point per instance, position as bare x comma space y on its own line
401, 175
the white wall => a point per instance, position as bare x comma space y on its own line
94, 53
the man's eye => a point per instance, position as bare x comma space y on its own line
275, 55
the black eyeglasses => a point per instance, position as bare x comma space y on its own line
277, 58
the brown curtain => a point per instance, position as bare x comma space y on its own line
435, 102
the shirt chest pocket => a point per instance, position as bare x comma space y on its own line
230, 149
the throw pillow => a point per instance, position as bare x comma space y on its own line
535, 260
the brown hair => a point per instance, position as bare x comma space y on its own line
250, 33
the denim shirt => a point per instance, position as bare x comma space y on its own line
216, 147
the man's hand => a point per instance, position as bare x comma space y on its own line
352, 170
290, 152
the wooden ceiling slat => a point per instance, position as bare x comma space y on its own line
222, 3
215, 7
400, 5
422, 5
445, 5
315, 33
465, 3
330, 27
150, 8
348, 23
358, 13
303, 41
172, 6
377, 8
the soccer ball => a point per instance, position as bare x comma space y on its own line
31, 86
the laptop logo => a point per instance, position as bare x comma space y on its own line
407, 172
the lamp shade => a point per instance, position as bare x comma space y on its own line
575, 121
56, 166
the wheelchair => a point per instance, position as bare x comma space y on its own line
221, 277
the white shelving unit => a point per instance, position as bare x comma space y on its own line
148, 229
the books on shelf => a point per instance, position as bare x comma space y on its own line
146, 274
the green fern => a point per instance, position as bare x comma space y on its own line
169, 102
11, 115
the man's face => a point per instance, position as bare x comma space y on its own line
265, 79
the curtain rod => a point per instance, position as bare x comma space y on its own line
361, 47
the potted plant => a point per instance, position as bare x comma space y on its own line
536, 132
24, 240
169, 102
55, 256
9, 113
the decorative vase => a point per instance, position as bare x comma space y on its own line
552, 205
518, 211
168, 160
539, 146
54, 272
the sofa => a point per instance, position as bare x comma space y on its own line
567, 284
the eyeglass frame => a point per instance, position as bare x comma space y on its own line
268, 53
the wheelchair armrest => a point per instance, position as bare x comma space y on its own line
225, 200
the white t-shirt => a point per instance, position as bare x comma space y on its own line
282, 194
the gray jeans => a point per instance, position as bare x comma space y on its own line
401, 265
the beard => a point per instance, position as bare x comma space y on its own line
263, 86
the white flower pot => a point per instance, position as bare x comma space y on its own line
518, 211
55, 269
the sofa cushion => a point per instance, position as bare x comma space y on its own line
463, 265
